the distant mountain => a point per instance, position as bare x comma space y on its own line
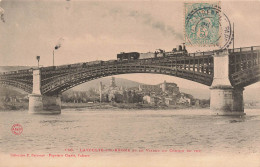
252, 94
14, 68
125, 83
197, 93
10, 91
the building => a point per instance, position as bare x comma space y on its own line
184, 100
110, 93
149, 88
147, 99
169, 88
170, 101
151, 99
166, 93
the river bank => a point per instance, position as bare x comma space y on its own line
7, 106
127, 106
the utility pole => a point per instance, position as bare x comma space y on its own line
53, 57
100, 92
233, 37
38, 59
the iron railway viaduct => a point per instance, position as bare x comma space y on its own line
226, 72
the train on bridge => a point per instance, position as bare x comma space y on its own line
26, 71
178, 51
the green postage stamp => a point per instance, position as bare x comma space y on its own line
202, 23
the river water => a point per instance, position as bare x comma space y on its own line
195, 130
151, 129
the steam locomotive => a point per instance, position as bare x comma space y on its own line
178, 51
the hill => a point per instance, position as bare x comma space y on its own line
14, 68
250, 93
106, 81
197, 93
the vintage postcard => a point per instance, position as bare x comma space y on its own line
129, 83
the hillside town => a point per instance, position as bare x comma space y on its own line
166, 94
163, 93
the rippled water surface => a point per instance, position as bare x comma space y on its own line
180, 129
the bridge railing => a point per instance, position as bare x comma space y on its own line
244, 49
195, 54
256, 47
208, 53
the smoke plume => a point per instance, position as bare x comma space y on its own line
148, 20
2, 11
59, 43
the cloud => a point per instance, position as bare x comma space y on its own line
146, 19
2, 11
149, 20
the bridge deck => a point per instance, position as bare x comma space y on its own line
199, 67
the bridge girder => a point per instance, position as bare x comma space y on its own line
197, 69
244, 69
20, 85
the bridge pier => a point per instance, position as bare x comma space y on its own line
42, 104
224, 98
227, 101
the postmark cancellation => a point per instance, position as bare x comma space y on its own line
202, 25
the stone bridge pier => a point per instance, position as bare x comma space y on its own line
224, 98
42, 104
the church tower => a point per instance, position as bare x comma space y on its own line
113, 82
100, 92
164, 86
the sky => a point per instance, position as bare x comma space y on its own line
98, 30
